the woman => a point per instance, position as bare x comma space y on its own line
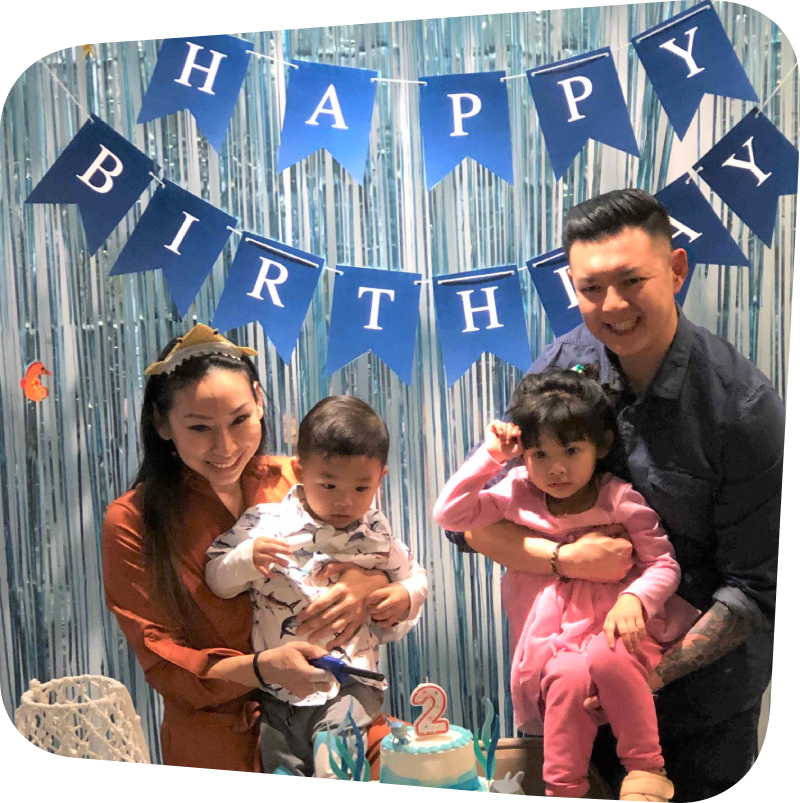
204, 442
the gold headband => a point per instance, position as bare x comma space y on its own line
201, 339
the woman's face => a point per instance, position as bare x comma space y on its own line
215, 425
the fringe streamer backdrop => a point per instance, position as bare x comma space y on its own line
63, 460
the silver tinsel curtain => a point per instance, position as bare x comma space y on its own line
63, 460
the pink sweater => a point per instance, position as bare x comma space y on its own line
554, 615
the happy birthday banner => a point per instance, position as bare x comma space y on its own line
461, 116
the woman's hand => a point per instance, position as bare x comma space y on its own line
288, 667
602, 557
335, 615
625, 620
389, 606
503, 441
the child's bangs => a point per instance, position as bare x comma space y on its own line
567, 418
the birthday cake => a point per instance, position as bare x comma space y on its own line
431, 753
445, 761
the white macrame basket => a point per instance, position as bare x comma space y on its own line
89, 716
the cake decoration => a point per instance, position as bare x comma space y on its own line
433, 700
399, 732
339, 743
434, 753
490, 735
509, 785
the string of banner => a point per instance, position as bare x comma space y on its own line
328, 106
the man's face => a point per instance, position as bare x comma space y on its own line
626, 287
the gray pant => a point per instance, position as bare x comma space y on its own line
288, 731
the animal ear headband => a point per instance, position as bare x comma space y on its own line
200, 340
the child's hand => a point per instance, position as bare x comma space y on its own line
625, 619
503, 441
389, 605
267, 551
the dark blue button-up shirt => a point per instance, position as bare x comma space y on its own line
704, 446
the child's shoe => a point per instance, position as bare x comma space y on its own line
650, 785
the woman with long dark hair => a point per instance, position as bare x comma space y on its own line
205, 460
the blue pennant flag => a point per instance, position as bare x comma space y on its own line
578, 99
749, 168
555, 290
478, 311
101, 172
271, 283
465, 115
182, 235
688, 56
202, 74
328, 107
697, 227
374, 310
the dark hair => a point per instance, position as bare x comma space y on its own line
160, 475
343, 426
570, 405
606, 215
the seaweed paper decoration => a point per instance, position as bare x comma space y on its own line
490, 735
340, 743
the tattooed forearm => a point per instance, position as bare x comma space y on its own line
716, 633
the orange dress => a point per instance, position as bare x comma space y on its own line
208, 722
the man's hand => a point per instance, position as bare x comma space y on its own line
625, 620
503, 441
597, 556
335, 615
267, 551
389, 606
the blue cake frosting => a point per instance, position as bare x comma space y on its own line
467, 781
464, 737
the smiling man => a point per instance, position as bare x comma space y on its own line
701, 438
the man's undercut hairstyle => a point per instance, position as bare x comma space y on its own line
607, 215
343, 426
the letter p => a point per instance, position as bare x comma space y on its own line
459, 115
572, 101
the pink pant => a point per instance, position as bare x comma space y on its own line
569, 731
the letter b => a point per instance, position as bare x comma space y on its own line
97, 167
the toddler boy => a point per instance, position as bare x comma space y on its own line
279, 553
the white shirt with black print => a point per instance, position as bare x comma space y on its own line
277, 600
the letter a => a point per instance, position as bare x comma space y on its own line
683, 229
749, 165
97, 166
335, 109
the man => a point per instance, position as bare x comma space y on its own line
701, 438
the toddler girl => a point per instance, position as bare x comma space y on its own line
576, 638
